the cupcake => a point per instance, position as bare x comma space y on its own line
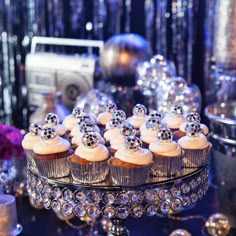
174, 119
89, 162
191, 117
29, 141
71, 120
118, 142
50, 154
115, 125
195, 146
167, 154
52, 121
148, 131
131, 165
119, 114
139, 116
105, 116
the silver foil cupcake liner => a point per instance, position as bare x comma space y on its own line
124, 176
166, 166
94, 172
196, 158
31, 161
52, 168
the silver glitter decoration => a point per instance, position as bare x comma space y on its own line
52, 119
115, 123
139, 110
90, 140
86, 127
153, 123
77, 112
193, 117
164, 135
156, 114
133, 143
83, 119
127, 130
193, 129
120, 114
35, 128
178, 110
110, 107
48, 133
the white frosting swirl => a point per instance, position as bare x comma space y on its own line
111, 133
98, 153
171, 149
148, 135
77, 139
136, 120
69, 122
29, 140
104, 117
118, 142
174, 121
54, 145
203, 127
198, 142
141, 157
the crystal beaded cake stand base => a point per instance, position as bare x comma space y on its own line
158, 197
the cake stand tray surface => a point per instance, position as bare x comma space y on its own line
160, 196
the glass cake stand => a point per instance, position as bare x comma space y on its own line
160, 196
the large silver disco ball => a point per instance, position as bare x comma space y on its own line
120, 56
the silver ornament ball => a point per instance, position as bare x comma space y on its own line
133, 143
139, 110
180, 232
51, 119
48, 133
164, 135
35, 128
90, 140
127, 130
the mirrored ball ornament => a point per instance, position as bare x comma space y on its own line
52, 119
110, 107
178, 110
139, 110
127, 130
180, 232
84, 118
156, 114
133, 143
193, 117
48, 133
77, 112
87, 127
90, 140
120, 114
35, 128
218, 225
115, 123
153, 123
164, 135
193, 129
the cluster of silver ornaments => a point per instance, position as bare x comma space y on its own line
164, 135
48, 133
193, 129
51, 119
90, 139
127, 130
35, 128
139, 110
133, 143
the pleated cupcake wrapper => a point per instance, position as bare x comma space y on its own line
196, 158
124, 176
94, 172
166, 166
52, 168
31, 161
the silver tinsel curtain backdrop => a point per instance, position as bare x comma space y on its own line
174, 28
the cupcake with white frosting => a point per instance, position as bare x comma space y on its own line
51, 153
148, 131
195, 145
175, 118
118, 142
139, 116
29, 141
52, 120
131, 165
167, 154
88, 164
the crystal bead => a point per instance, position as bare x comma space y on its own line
193, 184
136, 196
93, 211
137, 211
46, 190
80, 196
67, 194
47, 203
186, 201
164, 194
67, 209
108, 198
151, 195
151, 210
176, 205
194, 197
185, 188
56, 192
79, 211
122, 212
122, 199
93, 197
175, 192
56, 206
164, 207
109, 211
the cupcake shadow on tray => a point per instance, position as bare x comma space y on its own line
115, 150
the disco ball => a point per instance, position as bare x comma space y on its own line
120, 56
